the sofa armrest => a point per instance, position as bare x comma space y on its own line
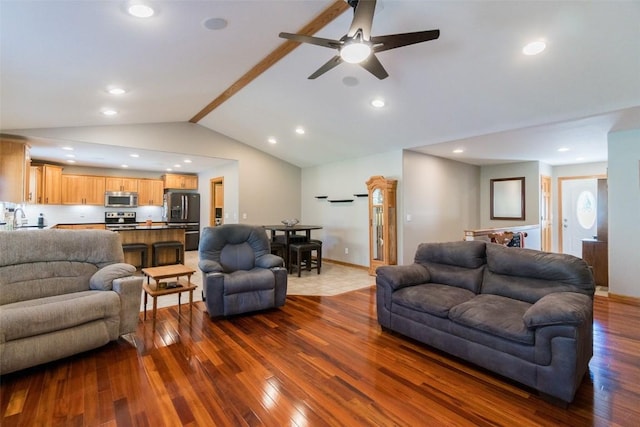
129, 289
559, 308
209, 266
102, 280
269, 261
401, 276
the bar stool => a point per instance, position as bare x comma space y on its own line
301, 255
278, 248
173, 244
137, 247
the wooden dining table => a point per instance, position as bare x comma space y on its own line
288, 232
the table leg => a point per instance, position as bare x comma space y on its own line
190, 301
145, 305
179, 295
155, 307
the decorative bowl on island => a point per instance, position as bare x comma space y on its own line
290, 222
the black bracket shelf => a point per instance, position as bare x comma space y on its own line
321, 197
341, 201
362, 195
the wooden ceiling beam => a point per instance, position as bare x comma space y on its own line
325, 17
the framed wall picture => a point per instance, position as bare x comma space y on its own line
507, 198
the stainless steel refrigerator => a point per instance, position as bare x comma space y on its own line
183, 210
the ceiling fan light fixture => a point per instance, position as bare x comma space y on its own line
355, 52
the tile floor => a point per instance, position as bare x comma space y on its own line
333, 279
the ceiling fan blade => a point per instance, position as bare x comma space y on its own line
318, 41
392, 41
333, 62
362, 18
373, 65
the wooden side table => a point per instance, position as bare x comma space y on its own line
167, 272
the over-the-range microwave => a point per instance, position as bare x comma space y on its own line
120, 199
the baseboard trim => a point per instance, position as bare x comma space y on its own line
625, 299
346, 264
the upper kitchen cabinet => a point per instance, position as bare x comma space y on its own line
83, 190
115, 183
150, 192
47, 184
180, 182
14, 171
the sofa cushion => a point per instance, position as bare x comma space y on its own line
102, 280
249, 281
528, 275
27, 281
432, 298
458, 264
496, 315
43, 315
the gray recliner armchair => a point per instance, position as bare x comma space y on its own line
239, 273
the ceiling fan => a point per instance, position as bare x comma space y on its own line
358, 46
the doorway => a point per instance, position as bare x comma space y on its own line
577, 211
216, 208
545, 213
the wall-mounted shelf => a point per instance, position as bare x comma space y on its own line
321, 197
362, 195
340, 201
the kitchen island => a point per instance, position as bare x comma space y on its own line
150, 235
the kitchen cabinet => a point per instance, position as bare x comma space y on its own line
116, 183
81, 226
150, 192
51, 184
180, 182
382, 222
83, 190
35, 185
14, 171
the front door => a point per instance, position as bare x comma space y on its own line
579, 208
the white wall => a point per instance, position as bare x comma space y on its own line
440, 201
531, 172
345, 225
268, 188
624, 213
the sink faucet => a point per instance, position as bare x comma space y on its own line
15, 218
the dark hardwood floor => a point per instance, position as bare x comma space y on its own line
317, 361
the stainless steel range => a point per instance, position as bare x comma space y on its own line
120, 220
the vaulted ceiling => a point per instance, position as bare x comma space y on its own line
471, 89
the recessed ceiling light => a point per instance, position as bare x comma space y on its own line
67, 148
563, 149
300, 130
140, 9
187, 160
579, 159
458, 150
534, 48
177, 165
378, 103
109, 112
169, 169
70, 155
70, 161
215, 23
116, 91
125, 166
350, 81
135, 155
272, 140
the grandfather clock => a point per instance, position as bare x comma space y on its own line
382, 222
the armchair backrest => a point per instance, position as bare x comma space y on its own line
234, 246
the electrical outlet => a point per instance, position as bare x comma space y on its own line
346, 251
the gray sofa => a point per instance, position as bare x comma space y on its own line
62, 292
522, 313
